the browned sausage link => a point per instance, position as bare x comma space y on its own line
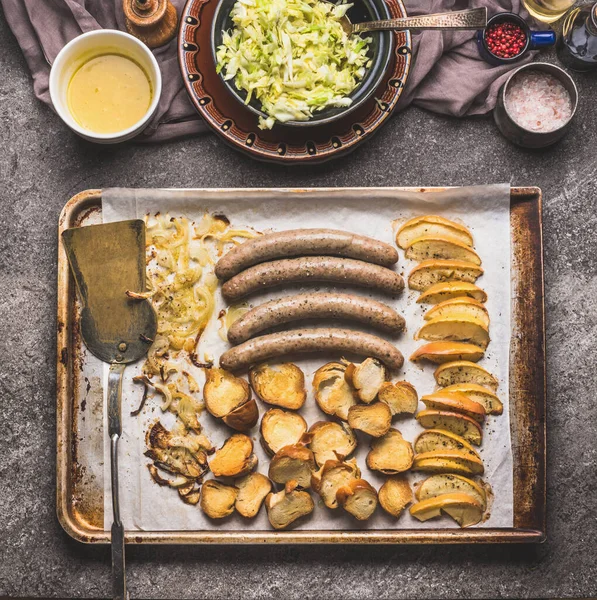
341, 341
312, 269
304, 242
315, 306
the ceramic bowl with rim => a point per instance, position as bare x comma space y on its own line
82, 49
380, 52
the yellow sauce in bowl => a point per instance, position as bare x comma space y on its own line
109, 93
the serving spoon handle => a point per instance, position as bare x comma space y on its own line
475, 18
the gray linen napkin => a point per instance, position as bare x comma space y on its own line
448, 76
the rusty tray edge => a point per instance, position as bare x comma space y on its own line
89, 199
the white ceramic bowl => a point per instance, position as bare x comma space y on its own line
87, 46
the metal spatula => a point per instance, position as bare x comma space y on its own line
108, 261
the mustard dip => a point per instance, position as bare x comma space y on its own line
109, 93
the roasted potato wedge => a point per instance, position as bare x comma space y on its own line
395, 495
285, 507
390, 454
442, 247
448, 461
281, 428
331, 441
430, 272
457, 329
252, 490
448, 483
448, 290
331, 477
464, 371
281, 385
459, 424
458, 307
480, 394
431, 225
366, 378
223, 392
359, 498
455, 402
234, 458
374, 419
333, 394
244, 417
464, 509
441, 352
292, 463
401, 397
217, 499
431, 440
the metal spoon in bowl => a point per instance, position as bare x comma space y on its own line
475, 18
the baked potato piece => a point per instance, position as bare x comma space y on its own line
463, 508
390, 454
443, 247
374, 419
448, 461
285, 507
359, 498
331, 477
459, 307
401, 397
281, 385
252, 490
366, 378
459, 424
480, 394
441, 352
234, 458
447, 290
431, 225
464, 371
331, 441
292, 463
448, 483
395, 495
281, 428
333, 394
244, 417
458, 329
217, 499
430, 272
454, 402
223, 392
438, 439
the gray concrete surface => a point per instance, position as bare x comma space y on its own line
42, 165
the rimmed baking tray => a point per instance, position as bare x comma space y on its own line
79, 407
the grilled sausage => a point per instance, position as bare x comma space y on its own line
315, 306
341, 341
312, 268
304, 242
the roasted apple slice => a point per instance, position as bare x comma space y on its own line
359, 498
333, 394
459, 307
234, 458
430, 272
252, 490
448, 461
441, 352
281, 428
395, 495
366, 378
444, 247
292, 463
331, 477
448, 483
459, 424
285, 507
401, 397
464, 509
281, 385
439, 439
244, 417
390, 454
331, 441
374, 419
480, 394
447, 290
464, 371
431, 225
457, 329
454, 402
217, 499
223, 392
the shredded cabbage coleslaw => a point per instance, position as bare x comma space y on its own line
293, 56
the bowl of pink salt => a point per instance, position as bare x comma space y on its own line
536, 105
